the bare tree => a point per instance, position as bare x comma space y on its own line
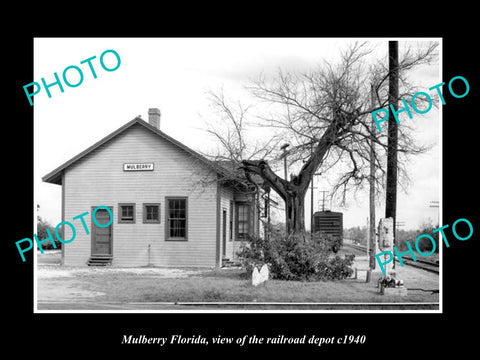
231, 131
325, 114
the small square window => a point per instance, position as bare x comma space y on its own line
151, 213
126, 213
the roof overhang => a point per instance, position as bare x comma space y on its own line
55, 176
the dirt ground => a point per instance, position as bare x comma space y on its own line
59, 287
58, 283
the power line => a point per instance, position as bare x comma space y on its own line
323, 198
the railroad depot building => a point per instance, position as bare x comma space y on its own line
171, 206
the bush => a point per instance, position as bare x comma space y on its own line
425, 245
296, 257
42, 234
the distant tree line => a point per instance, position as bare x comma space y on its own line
42, 226
424, 244
359, 234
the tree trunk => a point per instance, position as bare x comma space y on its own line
295, 209
293, 191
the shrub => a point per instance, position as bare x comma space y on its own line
296, 257
42, 234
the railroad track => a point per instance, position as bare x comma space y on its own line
422, 264
419, 263
357, 247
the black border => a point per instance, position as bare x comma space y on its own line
410, 334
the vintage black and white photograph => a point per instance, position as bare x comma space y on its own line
239, 174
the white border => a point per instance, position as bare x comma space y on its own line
360, 311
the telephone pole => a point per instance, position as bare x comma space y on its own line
323, 199
284, 156
371, 249
391, 190
391, 200
436, 204
311, 203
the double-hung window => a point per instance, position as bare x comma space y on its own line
176, 218
231, 221
243, 221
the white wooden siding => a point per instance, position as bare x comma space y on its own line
99, 179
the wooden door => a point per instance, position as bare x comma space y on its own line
101, 236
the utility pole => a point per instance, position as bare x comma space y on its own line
311, 208
391, 190
284, 155
399, 224
371, 238
323, 199
436, 204
311, 203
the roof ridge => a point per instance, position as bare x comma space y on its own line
55, 175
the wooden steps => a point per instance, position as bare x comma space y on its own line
100, 260
227, 263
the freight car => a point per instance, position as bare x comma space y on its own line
330, 223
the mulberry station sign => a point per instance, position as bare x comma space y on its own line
138, 167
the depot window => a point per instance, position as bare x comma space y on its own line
126, 213
176, 218
151, 213
243, 221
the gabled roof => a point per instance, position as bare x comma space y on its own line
55, 176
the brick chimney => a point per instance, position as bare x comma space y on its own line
154, 117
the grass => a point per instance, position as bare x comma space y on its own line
231, 286
220, 285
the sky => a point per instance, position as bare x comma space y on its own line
174, 75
